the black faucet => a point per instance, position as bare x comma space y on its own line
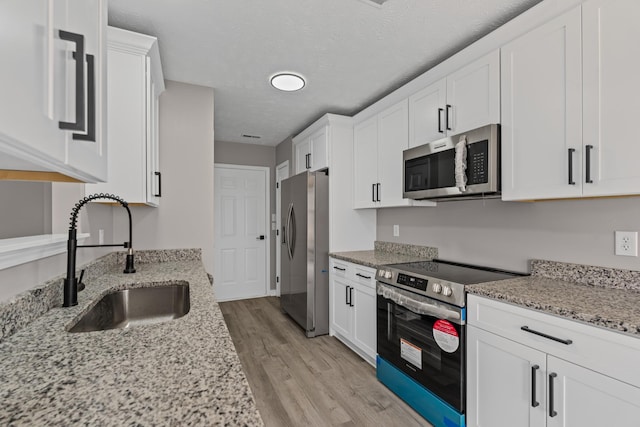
71, 282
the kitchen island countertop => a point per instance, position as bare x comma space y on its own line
181, 372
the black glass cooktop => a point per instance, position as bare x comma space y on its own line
455, 272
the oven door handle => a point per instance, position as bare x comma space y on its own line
421, 306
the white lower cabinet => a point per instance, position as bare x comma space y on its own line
352, 310
519, 378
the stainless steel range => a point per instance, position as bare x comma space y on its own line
421, 333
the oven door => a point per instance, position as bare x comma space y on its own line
425, 339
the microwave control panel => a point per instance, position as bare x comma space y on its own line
478, 163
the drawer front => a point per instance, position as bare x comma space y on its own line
340, 268
364, 276
609, 352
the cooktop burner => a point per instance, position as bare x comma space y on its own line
439, 279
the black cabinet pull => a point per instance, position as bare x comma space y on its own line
588, 149
78, 56
339, 268
346, 295
159, 175
350, 297
542, 334
571, 181
363, 276
91, 103
552, 412
534, 402
377, 192
440, 111
373, 192
447, 122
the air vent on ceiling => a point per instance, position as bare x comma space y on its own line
251, 136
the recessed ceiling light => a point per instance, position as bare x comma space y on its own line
287, 82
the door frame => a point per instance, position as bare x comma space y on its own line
267, 215
279, 167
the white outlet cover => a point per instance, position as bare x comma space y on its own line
396, 231
626, 243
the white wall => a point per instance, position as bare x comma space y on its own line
185, 216
508, 234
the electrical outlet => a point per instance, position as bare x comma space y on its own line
396, 231
626, 243
101, 236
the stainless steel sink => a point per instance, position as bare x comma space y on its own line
139, 306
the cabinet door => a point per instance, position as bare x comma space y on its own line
300, 154
473, 95
584, 398
393, 138
364, 319
427, 115
365, 163
28, 115
89, 155
541, 112
319, 146
501, 375
341, 315
611, 105
154, 177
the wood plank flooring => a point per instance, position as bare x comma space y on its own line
300, 381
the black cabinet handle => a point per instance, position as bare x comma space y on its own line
373, 192
552, 412
350, 297
571, 181
363, 276
339, 268
542, 334
159, 175
377, 192
91, 103
588, 149
78, 56
447, 122
534, 402
440, 111
346, 295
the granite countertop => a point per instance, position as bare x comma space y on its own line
387, 253
182, 372
614, 308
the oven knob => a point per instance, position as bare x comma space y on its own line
436, 287
446, 291
387, 274
381, 273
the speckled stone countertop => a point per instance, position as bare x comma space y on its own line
182, 372
599, 296
387, 253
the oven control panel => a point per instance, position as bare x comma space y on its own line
413, 282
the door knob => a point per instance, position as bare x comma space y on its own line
261, 237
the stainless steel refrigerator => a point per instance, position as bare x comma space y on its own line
304, 265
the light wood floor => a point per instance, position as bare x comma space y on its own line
299, 381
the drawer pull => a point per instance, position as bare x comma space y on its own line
363, 276
542, 334
534, 402
340, 268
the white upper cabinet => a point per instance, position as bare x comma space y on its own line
52, 116
311, 150
464, 100
378, 143
567, 113
610, 34
135, 84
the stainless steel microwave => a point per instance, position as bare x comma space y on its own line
466, 165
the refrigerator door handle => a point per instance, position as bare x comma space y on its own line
287, 232
292, 235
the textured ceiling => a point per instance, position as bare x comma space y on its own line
352, 52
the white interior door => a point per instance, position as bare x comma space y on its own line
241, 237
282, 172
